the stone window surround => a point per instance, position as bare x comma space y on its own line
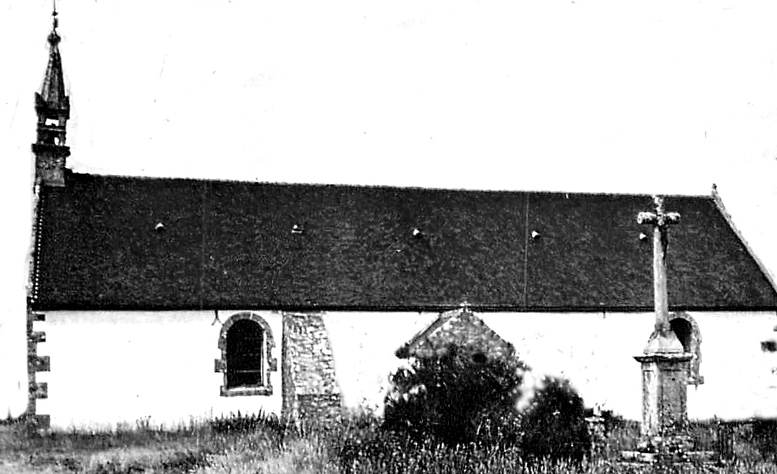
694, 378
269, 364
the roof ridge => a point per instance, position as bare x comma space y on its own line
378, 186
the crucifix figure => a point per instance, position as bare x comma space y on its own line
663, 339
664, 363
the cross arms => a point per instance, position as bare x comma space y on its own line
660, 218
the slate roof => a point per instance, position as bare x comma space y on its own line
225, 245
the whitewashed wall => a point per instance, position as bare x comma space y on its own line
109, 368
740, 378
363, 346
594, 350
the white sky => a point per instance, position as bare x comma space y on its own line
583, 95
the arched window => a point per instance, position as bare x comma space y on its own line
687, 331
246, 344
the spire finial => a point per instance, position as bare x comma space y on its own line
54, 37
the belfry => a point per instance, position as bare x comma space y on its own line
53, 109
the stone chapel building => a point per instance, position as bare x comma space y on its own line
170, 300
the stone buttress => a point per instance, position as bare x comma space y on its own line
310, 390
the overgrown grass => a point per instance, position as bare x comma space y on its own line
140, 449
261, 444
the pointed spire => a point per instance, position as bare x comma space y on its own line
53, 90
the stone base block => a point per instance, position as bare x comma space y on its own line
320, 407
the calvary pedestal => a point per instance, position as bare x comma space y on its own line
664, 409
664, 362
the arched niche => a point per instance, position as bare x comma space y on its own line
687, 331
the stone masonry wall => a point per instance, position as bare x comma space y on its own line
35, 363
310, 390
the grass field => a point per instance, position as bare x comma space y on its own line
264, 445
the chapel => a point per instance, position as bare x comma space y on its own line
169, 299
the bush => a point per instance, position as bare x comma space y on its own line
457, 398
554, 423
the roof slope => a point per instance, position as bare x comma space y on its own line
231, 245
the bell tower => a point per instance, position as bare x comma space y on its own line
53, 109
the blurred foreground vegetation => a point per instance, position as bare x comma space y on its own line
262, 444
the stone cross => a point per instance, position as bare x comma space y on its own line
664, 363
660, 220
